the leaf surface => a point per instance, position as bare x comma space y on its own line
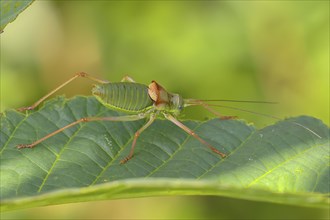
10, 9
283, 163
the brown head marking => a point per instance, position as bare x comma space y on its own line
157, 93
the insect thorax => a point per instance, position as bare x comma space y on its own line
123, 96
165, 101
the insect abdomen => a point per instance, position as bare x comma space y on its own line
126, 96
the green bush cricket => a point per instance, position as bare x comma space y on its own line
139, 101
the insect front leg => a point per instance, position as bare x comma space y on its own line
77, 75
196, 102
222, 117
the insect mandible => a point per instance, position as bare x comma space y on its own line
141, 101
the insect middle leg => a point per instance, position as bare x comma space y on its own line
192, 133
77, 75
136, 135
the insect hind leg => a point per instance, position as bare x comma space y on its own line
82, 120
77, 75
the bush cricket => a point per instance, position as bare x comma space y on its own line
139, 101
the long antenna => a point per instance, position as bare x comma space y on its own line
233, 100
194, 102
245, 110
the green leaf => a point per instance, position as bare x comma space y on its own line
283, 163
10, 9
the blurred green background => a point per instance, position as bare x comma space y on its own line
246, 50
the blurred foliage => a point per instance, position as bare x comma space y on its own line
179, 207
264, 50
